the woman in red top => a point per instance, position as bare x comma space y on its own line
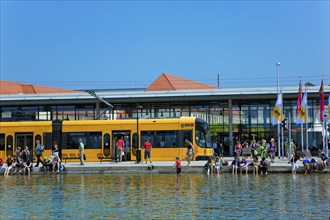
238, 148
120, 148
147, 146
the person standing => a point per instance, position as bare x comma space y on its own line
221, 150
26, 154
147, 146
272, 150
81, 151
39, 150
238, 148
262, 148
294, 164
120, 148
55, 149
215, 148
190, 151
177, 165
253, 148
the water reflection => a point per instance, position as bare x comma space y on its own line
188, 196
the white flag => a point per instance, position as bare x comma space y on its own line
301, 116
278, 109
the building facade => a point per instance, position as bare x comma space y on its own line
232, 114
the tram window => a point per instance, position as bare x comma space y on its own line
165, 139
200, 138
73, 140
147, 135
2, 141
48, 141
91, 140
95, 140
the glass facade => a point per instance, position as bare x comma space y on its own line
250, 119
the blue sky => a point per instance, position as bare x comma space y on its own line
120, 44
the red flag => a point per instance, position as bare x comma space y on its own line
299, 98
321, 92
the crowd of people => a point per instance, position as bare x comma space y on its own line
22, 161
259, 151
238, 165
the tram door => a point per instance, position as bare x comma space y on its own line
125, 135
25, 139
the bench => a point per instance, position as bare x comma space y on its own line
101, 157
72, 156
246, 151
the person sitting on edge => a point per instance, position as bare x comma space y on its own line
264, 166
1, 162
218, 165
27, 167
8, 166
306, 164
209, 165
255, 165
235, 164
244, 165
324, 161
47, 164
314, 165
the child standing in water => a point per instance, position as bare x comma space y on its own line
177, 165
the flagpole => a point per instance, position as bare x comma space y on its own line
290, 147
282, 130
323, 136
302, 135
306, 118
278, 125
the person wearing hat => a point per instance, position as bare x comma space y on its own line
177, 165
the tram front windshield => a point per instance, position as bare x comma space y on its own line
203, 136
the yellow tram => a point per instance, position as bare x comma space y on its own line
166, 135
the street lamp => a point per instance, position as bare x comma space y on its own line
138, 149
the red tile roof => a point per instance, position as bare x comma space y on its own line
11, 88
169, 82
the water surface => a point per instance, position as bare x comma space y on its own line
157, 196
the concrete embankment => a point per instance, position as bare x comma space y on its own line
161, 167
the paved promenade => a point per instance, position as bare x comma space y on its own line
130, 167
280, 165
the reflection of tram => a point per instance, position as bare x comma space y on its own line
99, 136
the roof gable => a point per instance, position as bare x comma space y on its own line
169, 82
11, 88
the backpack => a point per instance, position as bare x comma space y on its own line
62, 167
